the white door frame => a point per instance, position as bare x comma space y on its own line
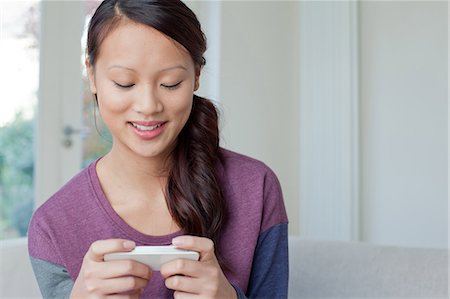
60, 92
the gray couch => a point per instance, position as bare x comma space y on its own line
318, 269
330, 269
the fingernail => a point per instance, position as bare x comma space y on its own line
129, 244
177, 241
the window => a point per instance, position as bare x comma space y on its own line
19, 60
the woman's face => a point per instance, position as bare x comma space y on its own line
144, 82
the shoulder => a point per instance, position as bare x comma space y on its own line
56, 216
251, 185
64, 206
232, 156
63, 198
238, 165
246, 175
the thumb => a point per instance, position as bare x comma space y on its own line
101, 247
204, 246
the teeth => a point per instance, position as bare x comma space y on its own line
146, 128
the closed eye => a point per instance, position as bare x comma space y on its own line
123, 86
175, 86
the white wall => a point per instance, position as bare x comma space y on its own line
403, 88
329, 145
404, 122
259, 88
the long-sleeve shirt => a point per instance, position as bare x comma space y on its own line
253, 242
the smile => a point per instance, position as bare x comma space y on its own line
146, 128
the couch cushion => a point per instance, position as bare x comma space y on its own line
325, 269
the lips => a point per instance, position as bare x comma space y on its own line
147, 129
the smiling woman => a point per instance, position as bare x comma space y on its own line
164, 181
133, 84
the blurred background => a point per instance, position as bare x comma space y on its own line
345, 100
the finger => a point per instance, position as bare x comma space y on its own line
120, 296
183, 284
122, 285
183, 295
182, 267
135, 295
204, 246
112, 269
101, 247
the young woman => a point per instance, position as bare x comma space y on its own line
165, 180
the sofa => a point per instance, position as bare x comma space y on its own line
332, 269
318, 269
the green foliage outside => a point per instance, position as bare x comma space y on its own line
17, 166
16, 176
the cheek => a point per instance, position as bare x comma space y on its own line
112, 102
182, 109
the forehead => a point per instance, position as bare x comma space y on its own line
141, 47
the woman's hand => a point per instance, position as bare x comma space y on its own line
197, 279
112, 279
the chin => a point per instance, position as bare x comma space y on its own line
150, 153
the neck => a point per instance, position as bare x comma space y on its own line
140, 176
137, 166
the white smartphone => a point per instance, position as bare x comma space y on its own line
153, 256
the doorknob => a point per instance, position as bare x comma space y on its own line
68, 131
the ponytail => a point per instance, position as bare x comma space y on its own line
194, 196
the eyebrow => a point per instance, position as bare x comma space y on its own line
120, 67
179, 66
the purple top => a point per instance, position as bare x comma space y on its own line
64, 227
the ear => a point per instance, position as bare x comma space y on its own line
91, 76
197, 78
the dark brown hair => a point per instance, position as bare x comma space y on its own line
193, 194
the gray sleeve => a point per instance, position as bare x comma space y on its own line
54, 281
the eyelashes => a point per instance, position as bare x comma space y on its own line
170, 87
175, 86
123, 86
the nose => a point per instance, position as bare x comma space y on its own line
148, 101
